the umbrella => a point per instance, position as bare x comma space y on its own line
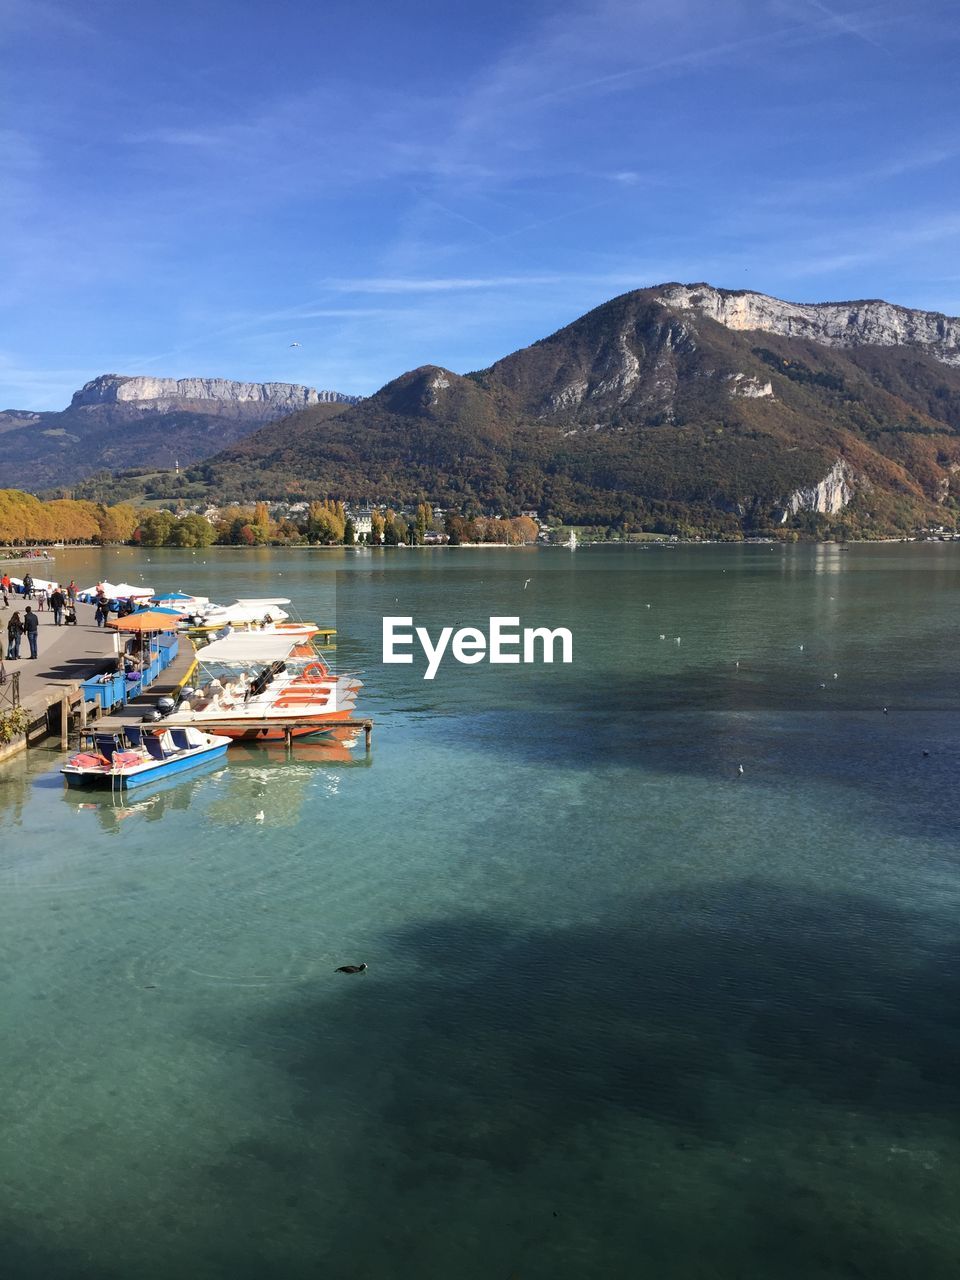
149, 620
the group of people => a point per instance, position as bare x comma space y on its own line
62, 601
19, 627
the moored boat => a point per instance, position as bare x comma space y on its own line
265, 687
140, 755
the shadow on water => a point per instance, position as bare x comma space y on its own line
28, 1256
707, 723
716, 1020
841, 996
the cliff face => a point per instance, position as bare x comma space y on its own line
828, 497
832, 324
116, 422
160, 394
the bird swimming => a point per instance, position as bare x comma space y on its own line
527, 583
351, 968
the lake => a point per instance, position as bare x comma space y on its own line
628, 1011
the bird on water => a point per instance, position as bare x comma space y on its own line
351, 968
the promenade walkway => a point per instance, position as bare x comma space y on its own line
65, 655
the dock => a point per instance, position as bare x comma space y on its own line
51, 689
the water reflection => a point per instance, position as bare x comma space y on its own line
269, 784
257, 784
150, 803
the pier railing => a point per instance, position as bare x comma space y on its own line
10, 691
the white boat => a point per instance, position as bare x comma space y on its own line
139, 756
263, 687
243, 613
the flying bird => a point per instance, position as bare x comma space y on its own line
295, 344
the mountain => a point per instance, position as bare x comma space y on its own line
680, 406
116, 422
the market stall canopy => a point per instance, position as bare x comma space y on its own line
243, 647
149, 620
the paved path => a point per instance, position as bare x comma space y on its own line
66, 655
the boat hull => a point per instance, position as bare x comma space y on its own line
275, 731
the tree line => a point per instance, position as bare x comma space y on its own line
26, 521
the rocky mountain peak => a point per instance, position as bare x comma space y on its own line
169, 393
833, 324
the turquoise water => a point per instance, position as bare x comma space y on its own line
627, 1012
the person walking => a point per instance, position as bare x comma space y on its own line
6, 586
31, 625
28, 586
14, 633
100, 616
57, 601
72, 593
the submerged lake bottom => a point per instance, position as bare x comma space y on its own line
627, 1010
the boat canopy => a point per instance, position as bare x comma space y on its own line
180, 597
244, 647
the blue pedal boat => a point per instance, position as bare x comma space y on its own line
121, 761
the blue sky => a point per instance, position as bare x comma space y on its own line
188, 189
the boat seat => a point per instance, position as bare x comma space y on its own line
180, 740
106, 744
154, 746
134, 734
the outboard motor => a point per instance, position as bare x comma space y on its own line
164, 707
186, 693
151, 716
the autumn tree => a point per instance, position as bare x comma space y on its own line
326, 522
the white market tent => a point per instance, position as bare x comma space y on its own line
39, 584
118, 591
